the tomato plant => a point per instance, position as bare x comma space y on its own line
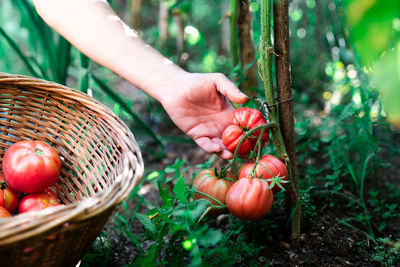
214, 183
249, 198
4, 213
37, 201
244, 120
31, 166
268, 167
9, 197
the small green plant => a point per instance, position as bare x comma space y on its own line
100, 254
386, 252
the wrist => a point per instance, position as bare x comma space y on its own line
162, 81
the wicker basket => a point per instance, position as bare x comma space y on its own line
101, 165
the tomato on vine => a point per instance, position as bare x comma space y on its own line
250, 118
249, 198
244, 120
231, 138
213, 183
268, 168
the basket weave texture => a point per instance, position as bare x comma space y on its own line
101, 163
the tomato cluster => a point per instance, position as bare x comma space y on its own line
249, 197
29, 168
244, 120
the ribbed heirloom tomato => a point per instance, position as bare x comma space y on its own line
213, 183
9, 197
31, 166
37, 201
231, 138
267, 167
249, 198
244, 120
4, 213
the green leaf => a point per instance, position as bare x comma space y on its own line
150, 259
210, 238
200, 207
164, 194
180, 189
371, 26
147, 223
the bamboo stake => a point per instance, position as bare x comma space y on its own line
265, 62
233, 32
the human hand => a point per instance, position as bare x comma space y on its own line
199, 105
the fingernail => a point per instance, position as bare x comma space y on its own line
243, 95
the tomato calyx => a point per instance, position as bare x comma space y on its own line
38, 151
221, 173
3, 185
277, 180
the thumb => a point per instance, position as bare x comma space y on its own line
229, 89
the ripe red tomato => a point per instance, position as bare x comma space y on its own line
2, 199
231, 137
31, 166
9, 197
214, 184
249, 198
4, 213
250, 118
244, 120
267, 167
37, 201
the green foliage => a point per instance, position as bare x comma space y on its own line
386, 253
174, 228
374, 31
100, 253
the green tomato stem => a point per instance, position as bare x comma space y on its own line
268, 125
210, 197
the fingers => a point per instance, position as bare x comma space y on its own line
207, 145
225, 154
214, 146
229, 89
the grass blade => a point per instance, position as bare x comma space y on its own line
123, 105
21, 55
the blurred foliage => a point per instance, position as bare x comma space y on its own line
374, 28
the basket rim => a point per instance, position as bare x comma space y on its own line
31, 224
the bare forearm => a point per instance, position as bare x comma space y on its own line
93, 28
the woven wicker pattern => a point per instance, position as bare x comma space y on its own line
101, 165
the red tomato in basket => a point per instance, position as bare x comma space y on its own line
267, 167
31, 166
9, 197
4, 213
249, 198
37, 201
